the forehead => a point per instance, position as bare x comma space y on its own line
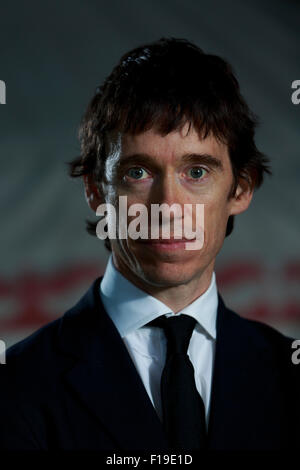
168, 148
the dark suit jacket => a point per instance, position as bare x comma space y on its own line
73, 385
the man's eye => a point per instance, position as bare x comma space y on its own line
196, 172
137, 173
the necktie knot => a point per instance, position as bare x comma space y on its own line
178, 331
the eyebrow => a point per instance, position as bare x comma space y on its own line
204, 158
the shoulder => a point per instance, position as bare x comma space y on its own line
42, 345
31, 372
266, 332
259, 338
37, 362
32, 382
255, 329
34, 349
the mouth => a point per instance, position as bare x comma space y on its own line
165, 244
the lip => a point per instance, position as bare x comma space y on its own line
168, 244
165, 240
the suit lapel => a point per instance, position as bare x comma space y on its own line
104, 376
245, 385
246, 388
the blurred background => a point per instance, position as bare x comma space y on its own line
53, 54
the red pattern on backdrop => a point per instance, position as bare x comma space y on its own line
32, 290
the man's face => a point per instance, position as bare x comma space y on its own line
177, 168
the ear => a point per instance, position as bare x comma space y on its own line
242, 197
93, 195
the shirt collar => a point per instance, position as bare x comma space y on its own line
131, 308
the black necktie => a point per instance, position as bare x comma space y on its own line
182, 405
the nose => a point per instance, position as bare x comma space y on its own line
166, 190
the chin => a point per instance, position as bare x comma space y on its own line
166, 274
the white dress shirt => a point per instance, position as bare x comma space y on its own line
130, 309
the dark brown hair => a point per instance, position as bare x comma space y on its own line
165, 85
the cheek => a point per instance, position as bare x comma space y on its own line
215, 222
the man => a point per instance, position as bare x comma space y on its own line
150, 358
